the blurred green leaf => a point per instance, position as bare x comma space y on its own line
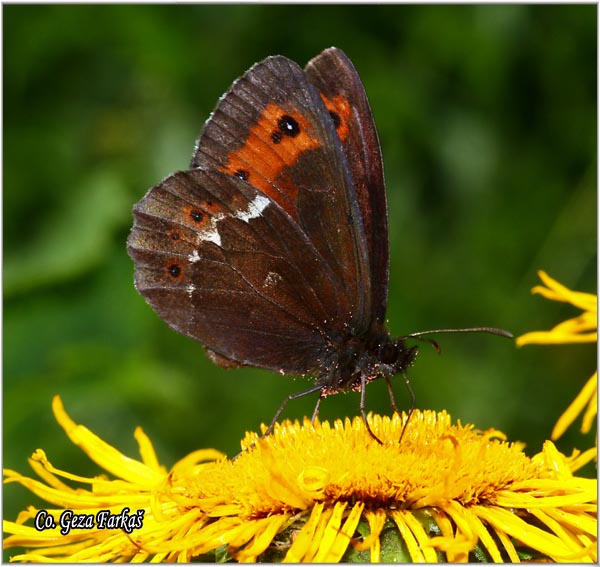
73, 242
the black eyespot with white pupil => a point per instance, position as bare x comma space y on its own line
174, 270
287, 126
336, 119
196, 215
242, 174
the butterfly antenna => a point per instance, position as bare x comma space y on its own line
491, 330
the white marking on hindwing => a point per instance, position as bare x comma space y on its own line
211, 232
255, 208
191, 288
194, 257
271, 279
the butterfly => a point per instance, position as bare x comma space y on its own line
272, 249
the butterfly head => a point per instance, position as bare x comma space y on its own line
358, 361
395, 356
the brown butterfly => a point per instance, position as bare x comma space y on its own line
272, 249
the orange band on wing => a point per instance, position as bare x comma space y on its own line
340, 106
273, 144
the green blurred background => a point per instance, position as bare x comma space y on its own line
487, 120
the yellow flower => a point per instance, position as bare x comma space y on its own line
317, 493
580, 329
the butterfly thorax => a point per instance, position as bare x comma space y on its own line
358, 360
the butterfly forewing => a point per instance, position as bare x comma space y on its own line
272, 130
340, 87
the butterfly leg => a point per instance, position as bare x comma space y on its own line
363, 388
391, 393
316, 410
412, 404
291, 397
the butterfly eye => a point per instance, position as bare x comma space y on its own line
388, 353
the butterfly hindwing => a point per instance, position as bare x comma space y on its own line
223, 264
